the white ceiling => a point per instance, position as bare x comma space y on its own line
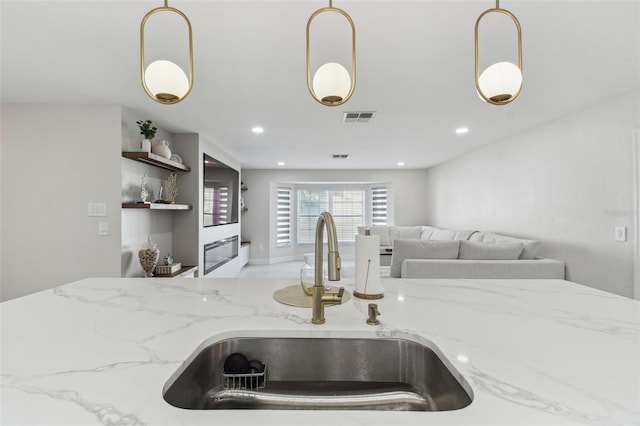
415, 69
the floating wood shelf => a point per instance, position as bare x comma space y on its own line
156, 206
156, 160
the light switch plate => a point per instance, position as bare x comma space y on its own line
103, 228
97, 209
621, 233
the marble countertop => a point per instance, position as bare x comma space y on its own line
535, 352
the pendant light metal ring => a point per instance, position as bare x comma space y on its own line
497, 9
330, 8
165, 8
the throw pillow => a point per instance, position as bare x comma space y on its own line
472, 250
463, 235
443, 234
530, 248
477, 236
404, 232
426, 231
420, 249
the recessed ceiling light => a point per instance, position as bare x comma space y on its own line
281, 163
257, 130
462, 130
400, 163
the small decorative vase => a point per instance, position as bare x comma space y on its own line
161, 148
148, 256
308, 274
144, 192
145, 145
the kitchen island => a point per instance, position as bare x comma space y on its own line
534, 352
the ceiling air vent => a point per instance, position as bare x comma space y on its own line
340, 156
358, 116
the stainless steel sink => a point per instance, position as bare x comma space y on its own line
323, 373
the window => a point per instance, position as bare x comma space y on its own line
283, 217
379, 206
352, 205
347, 206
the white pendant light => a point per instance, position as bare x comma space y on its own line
332, 85
164, 81
501, 82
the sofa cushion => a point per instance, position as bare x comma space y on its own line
443, 234
439, 234
382, 231
472, 250
530, 248
476, 236
404, 233
420, 249
426, 231
494, 269
463, 235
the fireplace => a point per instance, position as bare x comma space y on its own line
219, 252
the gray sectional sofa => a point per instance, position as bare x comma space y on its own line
430, 252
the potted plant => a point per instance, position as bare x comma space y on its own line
149, 133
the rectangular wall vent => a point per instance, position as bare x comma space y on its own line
340, 156
358, 116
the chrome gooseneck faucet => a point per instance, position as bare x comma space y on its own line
319, 297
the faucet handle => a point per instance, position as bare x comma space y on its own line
373, 314
333, 298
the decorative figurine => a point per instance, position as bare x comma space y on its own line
172, 188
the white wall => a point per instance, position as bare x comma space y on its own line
568, 183
257, 223
186, 224
55, 160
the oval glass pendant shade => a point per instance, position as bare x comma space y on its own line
331, 83
166, 81
501, 82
